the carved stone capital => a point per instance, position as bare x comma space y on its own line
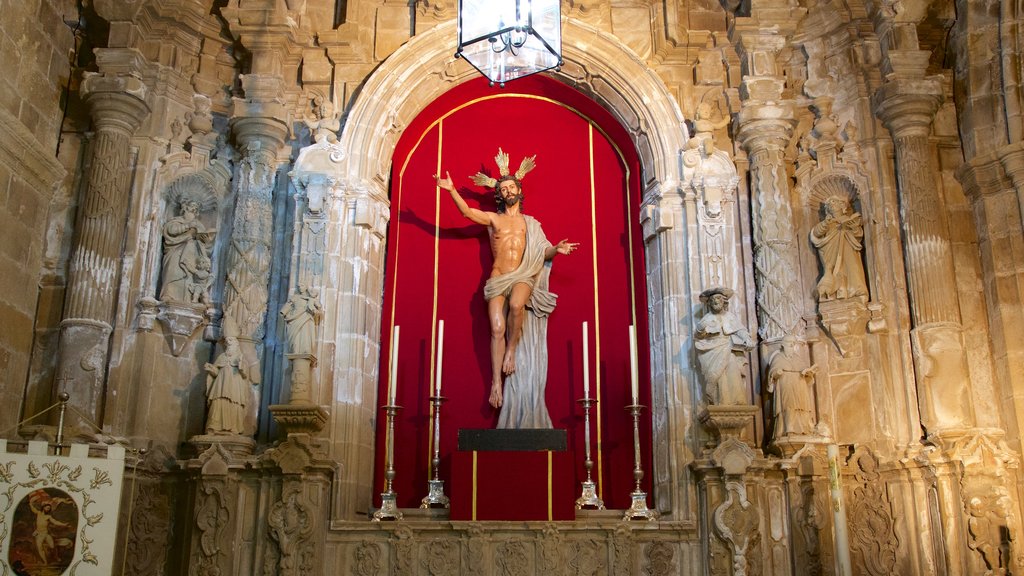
116, 101
907, 107
259, 126
765, 126
727, 422
984, 175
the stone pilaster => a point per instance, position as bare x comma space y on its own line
356, 229
907, 108
116, 99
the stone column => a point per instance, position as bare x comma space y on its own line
116, 99
907, 107
260, 133
766, 124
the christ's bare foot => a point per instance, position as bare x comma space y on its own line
495, 399
509, 365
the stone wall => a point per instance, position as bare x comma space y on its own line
36, 47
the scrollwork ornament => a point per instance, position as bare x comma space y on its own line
367, 559
441, 558
660, 559
513, 559
404, 542
587, 558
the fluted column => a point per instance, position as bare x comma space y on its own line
907, 108
117, 105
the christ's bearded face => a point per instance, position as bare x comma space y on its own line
510, 192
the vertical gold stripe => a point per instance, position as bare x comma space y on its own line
473, 513
550, 493
597, 306
433, 317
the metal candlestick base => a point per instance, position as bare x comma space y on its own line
388, 509
638, 510
435, 497
589, 500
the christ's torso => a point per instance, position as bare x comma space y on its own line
508, 242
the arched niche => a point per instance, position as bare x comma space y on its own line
602, 68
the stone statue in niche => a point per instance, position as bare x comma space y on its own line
302, 314
705, 124
325, 122
790, 384
186, 261
838, 240
722, 344
228, 392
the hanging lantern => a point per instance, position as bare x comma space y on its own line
509, 39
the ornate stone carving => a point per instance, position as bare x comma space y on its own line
838, 239
661, 559
212, 517
403, 542
550, 543
289, 525
228, 394
149, 539
512, 558
722, 344
440, 557
873, 529
325, 122
623, 544
736, 522
302, 314
810, 518
586, 558
791, 384
187, 268
475, 545
366, 559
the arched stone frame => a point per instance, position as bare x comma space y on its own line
598, 65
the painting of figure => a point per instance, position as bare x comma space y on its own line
43, 531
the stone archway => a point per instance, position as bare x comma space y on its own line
597, 65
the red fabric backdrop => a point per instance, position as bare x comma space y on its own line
585, 188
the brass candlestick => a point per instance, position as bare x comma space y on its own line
435, 497
588, 498
638, 510
388, 508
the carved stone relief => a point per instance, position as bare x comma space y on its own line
513, 558
367, 559
736, 522
873, 537
660, 559
587, 558
440, 558
289, 525
213, 512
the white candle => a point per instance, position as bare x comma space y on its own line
440, 354
393, 380
632, 365
586, 363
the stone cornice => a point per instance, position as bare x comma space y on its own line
20, 150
